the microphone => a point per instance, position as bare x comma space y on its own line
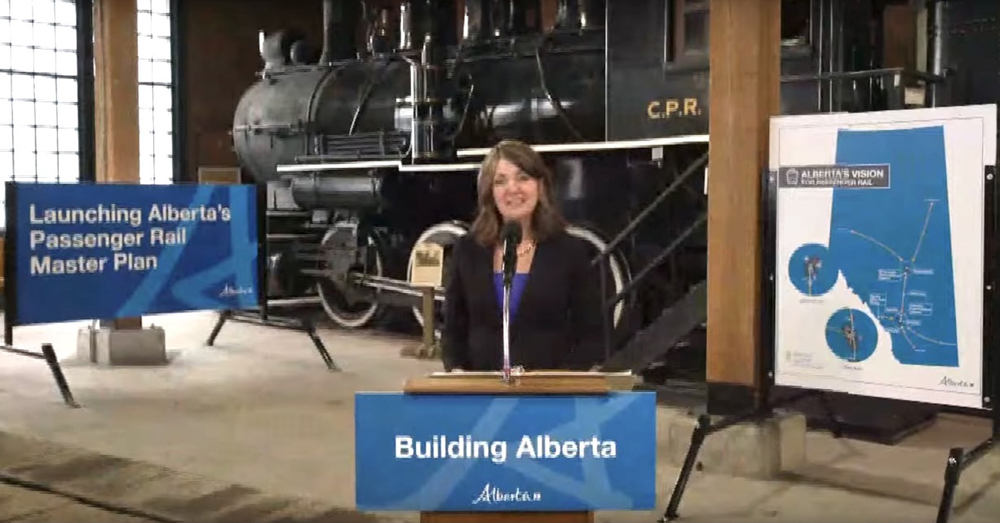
511, 237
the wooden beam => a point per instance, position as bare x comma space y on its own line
116, 98
116, 90
745, 60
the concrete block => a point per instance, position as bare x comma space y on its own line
85, 344
792, 428
760, 450
111, 347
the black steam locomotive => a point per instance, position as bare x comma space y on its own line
371, 148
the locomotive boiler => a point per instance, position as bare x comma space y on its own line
369, 143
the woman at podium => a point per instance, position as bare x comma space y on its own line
554, 297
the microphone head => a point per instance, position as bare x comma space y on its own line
511, 233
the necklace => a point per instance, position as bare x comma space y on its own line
522, 250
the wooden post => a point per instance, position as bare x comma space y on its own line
429, 348
745, 61
426, 274
116, 100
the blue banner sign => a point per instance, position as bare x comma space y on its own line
104, 251
508, 453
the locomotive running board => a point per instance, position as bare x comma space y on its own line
480, 152
600, 146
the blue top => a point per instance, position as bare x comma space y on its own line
516, 287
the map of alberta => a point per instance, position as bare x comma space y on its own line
893, 244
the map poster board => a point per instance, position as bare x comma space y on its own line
880, 229
105, 251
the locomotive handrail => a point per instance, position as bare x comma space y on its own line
868, 73
698, 222
885, 88
246, 128
700, 162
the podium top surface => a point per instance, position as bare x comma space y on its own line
534, 382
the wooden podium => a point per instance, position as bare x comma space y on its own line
534, 383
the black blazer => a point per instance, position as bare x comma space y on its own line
557, 324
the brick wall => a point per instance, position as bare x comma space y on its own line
220, 60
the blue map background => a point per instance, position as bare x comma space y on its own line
627, 482
188, 277
893, 245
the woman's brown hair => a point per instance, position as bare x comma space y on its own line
546, 219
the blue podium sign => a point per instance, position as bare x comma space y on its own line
103, 251
507, 453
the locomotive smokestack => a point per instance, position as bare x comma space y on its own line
339, 24
328, 8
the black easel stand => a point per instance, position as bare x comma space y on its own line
9, 290
706, 427
49, 355
958, 461
261, 317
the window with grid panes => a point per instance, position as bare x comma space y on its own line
155, 93
39, 140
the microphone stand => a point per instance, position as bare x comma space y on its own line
511, 238
506, 329
509, 267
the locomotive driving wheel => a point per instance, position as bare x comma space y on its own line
618, 273
358, 307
